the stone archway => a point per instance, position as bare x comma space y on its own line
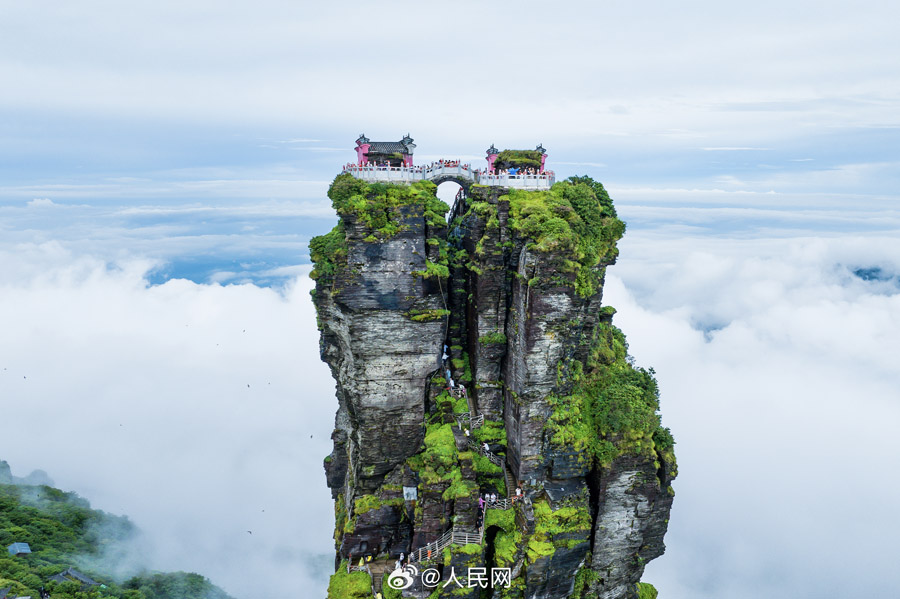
461, 181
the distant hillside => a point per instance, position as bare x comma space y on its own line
63, 532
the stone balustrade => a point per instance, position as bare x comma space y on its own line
438, 171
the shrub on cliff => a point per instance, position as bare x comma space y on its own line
518, 159
378, 206
349, 585
612, 408
328, 252
574, 218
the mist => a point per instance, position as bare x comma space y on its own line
776, 360
202, 412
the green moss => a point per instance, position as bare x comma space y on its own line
434, 270
460, 405
388, 593
328, 252
378, 205
482, 465
612, 408
492, 432
426, 315
575, 219
506, 546
537, 548
646, 591
505, 519
340, 519
565, 527
439, 460
463, 368
458, 487
664, 445
518, 159
495, 337
352, 585
583, 579
366, 503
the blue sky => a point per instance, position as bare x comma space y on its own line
163, 166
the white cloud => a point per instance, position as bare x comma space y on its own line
40, 203
734, 149
293, 62
200, 411
775, 361
783, 411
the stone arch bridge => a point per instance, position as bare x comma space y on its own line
442, 172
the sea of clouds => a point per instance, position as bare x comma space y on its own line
777, 364
203, 412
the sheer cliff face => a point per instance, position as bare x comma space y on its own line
513, 290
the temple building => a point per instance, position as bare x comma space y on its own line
395, 153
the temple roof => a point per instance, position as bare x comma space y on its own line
17, 548
72, 573
387, 147
404, 146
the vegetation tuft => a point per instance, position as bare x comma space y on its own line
380, 207
575, 218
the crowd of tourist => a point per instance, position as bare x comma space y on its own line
519, 172
487, 174
381, 166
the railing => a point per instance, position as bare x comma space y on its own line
494, 458
463, 537
453, 536
501, 503
408, 174
543, 181
465, 419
